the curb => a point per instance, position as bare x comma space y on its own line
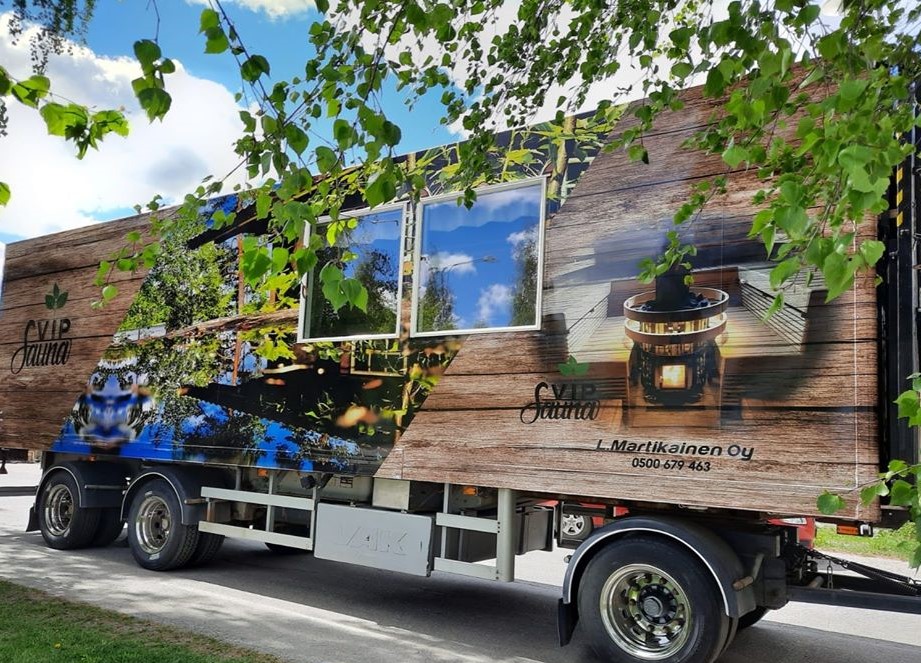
18, 491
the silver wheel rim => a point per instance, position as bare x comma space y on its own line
571, 525
645, 612
152, 525
59, 509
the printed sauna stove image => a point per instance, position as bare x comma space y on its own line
700, 354
675, 330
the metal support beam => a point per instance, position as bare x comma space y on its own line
505, 541
856, 599
270, 509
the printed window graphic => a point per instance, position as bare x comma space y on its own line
367, 249
479, 268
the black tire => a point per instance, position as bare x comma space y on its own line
750, 619
667, 584
110, 527
157, 538
731, 634
207, 548
63, 524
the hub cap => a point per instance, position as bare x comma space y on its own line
152, 525
571, 525
645, 612
59, 510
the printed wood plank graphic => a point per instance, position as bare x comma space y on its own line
51, 338
509, 344
705, 387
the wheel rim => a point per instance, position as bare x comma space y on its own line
152, 525
572, 525
59, 509
645, 612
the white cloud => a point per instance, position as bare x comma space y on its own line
497, 298
518, 239
274, 9
52, 190
458, 263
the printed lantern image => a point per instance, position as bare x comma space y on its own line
674, 331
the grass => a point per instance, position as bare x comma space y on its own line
884, 543
36, 627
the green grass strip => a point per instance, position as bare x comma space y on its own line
36, 627
884, 543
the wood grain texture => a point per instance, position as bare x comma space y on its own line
797, 393
35, 400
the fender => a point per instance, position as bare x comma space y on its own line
186, 482
99, 485
715, 554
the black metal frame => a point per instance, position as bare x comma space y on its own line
899, 313
842, 595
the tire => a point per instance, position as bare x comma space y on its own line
575, 528
674, 614
207, 548
63, 524
110, 527
731, 634
750, 619
157, 538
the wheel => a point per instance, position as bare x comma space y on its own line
109, 528
752, 618
63, 524
157, 538
575, 527
647, 599
207, 548
731, 633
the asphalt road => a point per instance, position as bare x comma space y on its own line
310, 610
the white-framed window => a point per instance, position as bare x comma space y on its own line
369, 248
479, 269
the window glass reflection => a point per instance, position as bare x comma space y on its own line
367, 249
478, 267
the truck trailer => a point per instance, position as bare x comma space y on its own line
510, 384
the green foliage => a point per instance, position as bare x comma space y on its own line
150, 87
803, 105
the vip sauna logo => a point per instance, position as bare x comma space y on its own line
43, 341
570, 399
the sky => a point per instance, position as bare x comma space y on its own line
53, 191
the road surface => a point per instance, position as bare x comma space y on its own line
309, 610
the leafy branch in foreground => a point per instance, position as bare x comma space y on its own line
900, 484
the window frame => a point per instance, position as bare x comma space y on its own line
417, 258
306, 302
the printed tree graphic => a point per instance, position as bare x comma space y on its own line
56, 298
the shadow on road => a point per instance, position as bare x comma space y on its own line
307, 609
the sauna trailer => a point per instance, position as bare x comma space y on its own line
511, 384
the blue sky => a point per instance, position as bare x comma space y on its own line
195, 139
